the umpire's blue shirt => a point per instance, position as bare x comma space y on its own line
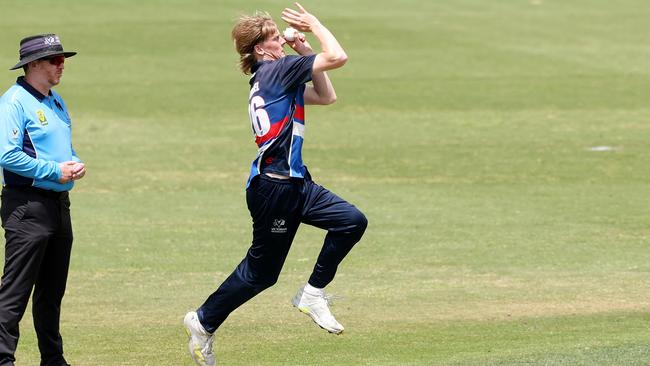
35, 136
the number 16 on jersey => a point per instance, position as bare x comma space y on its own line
259, 118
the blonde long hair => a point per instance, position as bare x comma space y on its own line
249, 31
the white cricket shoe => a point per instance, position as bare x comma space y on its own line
200, 341
313, 302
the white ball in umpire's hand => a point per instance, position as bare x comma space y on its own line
290, 34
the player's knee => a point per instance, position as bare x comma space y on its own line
360, 221
259, 279
269, 281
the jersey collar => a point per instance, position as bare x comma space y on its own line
258, 64
21, 81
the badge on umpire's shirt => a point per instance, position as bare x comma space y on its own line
41, 117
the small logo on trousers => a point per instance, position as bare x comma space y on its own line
279, 226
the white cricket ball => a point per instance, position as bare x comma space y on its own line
290, 34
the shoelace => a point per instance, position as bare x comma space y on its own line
208, 349
329, 298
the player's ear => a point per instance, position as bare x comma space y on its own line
258, 50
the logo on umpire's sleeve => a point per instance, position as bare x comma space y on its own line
279, 226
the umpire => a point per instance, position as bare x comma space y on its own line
39, 167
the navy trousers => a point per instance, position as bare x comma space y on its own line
38, 234
277, 208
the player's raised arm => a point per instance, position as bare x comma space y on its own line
332, 55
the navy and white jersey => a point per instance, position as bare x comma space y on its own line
35, 136
276, 107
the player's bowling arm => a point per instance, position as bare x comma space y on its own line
321, 92
332, 56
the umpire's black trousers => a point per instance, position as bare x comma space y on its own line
38, 235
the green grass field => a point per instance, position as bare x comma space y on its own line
463, 130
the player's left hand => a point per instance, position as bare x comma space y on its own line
300, 19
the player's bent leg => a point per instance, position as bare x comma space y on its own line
345, 225
200, 341
345, 229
